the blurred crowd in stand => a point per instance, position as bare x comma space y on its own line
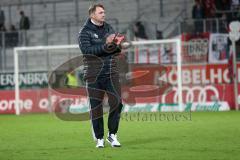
210, 10
10, 37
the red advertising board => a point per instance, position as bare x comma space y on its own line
201, 83
36, 101
195, 47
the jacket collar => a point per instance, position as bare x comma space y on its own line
92, 26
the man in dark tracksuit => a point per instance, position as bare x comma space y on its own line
101, 73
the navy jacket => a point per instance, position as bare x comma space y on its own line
92, 40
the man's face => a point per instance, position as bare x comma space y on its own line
99, 15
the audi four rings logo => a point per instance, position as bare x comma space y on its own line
197, 92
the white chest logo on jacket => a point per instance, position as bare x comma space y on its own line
95, 35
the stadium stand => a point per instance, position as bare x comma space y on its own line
57, 21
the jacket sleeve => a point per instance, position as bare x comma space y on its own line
86, 47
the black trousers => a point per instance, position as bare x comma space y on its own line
96, 91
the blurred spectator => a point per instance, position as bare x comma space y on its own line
72, 80
198, 15
2, 18
228, 16
223, 11
235, 4
159, 34
223, 8
24, 25
139, 30
218, 5
226, 6
11, 39
209, 8
235, 7
24, 21
237, 16
3, 28
12, 28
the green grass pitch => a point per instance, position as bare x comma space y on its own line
205, 135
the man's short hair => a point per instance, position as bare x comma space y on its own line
93, 7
